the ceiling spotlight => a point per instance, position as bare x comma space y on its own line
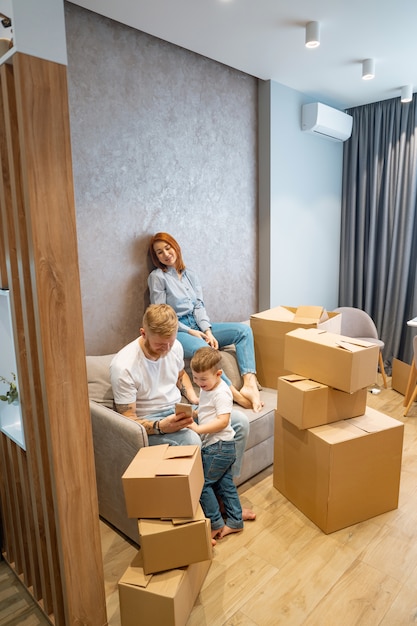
368, 69
407, 93
312, 35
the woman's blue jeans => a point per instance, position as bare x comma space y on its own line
218, 481
226, 333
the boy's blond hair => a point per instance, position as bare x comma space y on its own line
206, 359
160, 319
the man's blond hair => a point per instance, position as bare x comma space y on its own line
160, 319
206, 359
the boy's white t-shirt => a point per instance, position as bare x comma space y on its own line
212, 403
151, 384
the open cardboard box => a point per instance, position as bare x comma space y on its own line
400, 376
269, 329
307, 403
164, 481
168, 544
341, 473
164, 599
335, 360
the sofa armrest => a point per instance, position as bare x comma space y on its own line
115, 421
116, 441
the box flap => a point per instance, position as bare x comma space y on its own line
146, 462
173, 467
331, 339
337, 432
161, 460
199, 515
293, 378
178, 452
163, 583
301, 382
353, 344
308, 314
309, 385
153, 452
177, 461
134, 574
280, 313
374, 421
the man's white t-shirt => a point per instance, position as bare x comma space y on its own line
212, 403
151, 384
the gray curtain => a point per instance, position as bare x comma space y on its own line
379, 221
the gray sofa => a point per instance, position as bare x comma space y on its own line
117, 439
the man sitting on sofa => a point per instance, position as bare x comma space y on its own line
148, 378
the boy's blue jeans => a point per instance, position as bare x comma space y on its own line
218, 459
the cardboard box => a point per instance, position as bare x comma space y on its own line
341, 473
340, 362
307, 403
169, 544
164, 481
400, 375
269, 329
164, 599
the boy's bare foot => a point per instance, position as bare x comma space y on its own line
215, 534
248, 515
226, 530
213, 542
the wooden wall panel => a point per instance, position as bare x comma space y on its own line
41, 545
49, 499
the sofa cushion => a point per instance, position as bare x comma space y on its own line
230, 366
98, 379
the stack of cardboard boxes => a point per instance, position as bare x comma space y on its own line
269, 329
336, 459
162, 489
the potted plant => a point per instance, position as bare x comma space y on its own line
12, 395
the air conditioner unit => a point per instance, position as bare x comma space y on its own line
322, 120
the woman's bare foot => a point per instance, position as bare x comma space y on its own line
251, 393
248, 515
226, 530
240, 399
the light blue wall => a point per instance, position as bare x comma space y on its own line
300, 178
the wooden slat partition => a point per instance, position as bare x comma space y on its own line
49, 503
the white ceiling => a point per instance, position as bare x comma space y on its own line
265, 38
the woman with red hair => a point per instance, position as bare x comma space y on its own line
175, 284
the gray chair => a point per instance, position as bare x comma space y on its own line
358, 324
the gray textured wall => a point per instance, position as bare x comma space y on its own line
162, 139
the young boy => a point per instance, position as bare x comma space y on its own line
218, 445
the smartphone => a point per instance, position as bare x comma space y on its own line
182, 407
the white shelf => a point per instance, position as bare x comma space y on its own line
11, 423
10, 414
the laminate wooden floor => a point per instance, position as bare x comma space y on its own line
17, 607
283, 570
